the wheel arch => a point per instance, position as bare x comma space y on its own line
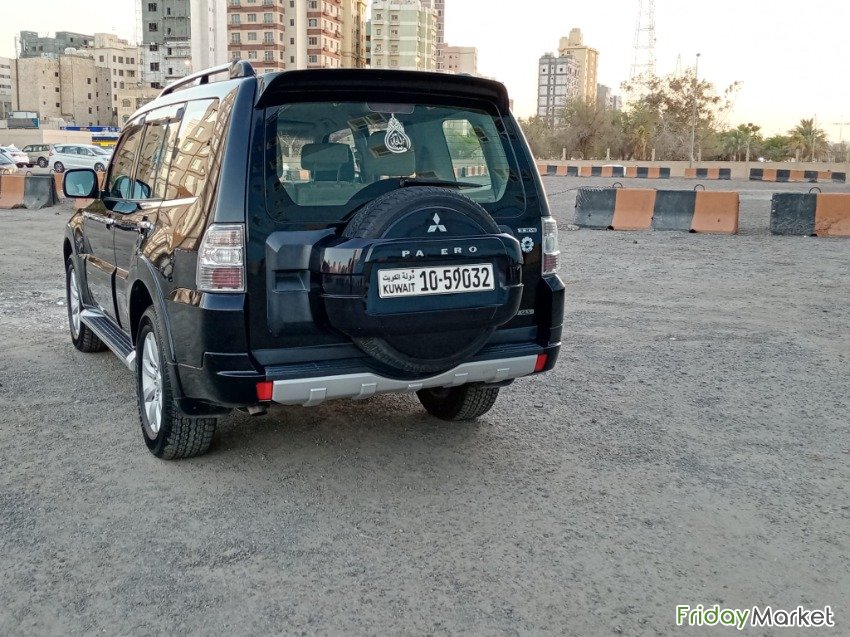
140, 300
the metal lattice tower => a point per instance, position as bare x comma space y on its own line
644, 54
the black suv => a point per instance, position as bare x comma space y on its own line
311, 235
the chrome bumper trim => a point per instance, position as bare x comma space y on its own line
309, 392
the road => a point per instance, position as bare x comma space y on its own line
691, 447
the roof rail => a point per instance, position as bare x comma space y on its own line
236, 69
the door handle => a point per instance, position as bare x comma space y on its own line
99, 219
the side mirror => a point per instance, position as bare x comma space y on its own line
81, 183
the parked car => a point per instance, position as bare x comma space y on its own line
38, 154
63, 156
16, 155
7, 166
303, 238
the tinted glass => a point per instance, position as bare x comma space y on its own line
191, 161
120, 179
151, 157
323, 160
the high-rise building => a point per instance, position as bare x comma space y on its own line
460, 59
123, 62
35, 46
7, 91
606, 100
403, 35
275, 35
181, 37
558, 83
588, 61
439, 7
354, 34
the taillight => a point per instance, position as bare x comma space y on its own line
551, 253
221, 259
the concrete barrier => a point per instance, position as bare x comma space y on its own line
644, 209
810, 214
40, 192
708, 173
553, 170
12, 191
792, 176
648, 172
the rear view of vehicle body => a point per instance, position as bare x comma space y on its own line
39, 154
7, 166
19, 157
314, 235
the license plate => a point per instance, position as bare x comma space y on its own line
439, 280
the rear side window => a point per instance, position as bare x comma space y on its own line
190, 165
152, 157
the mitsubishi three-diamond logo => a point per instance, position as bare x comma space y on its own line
437, 227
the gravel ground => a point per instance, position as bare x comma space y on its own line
691, 447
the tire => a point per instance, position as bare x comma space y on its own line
42, 162
454, 404
168, 434
83, 338
99, 168
377, 220
59, 167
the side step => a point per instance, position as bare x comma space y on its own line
113, 336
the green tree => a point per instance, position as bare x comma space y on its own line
808, 139
742, 142
777, 148
583, 129
540, 137
670, 99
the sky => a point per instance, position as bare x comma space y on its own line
788, 55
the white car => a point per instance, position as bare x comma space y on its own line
16, 155
64, 156
7, 166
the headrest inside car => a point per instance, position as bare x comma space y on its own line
385, 163
326, 160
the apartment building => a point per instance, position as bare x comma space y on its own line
7, 93
277, 35
33, 45
402, 35
69, 87
460, 59
181, 37
588, 61
123, 61
606, 100
559, 82
439, 7
354, 34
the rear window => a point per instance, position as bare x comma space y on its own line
322, 161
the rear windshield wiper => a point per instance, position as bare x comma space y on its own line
404, 182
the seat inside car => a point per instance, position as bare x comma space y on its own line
332, 176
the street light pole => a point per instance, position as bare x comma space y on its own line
694, 112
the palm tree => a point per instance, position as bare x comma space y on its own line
808, 139
740, 141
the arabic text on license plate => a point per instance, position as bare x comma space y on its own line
436, 280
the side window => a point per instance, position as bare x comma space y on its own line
120, 180
151, 158
472, 149
191, 163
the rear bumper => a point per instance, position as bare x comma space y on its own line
309, 392
230, 381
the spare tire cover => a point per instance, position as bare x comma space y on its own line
406, 213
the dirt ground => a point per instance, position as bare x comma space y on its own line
692, 448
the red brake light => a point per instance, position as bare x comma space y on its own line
540, 365
265, 390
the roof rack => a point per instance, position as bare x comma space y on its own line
236, 69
